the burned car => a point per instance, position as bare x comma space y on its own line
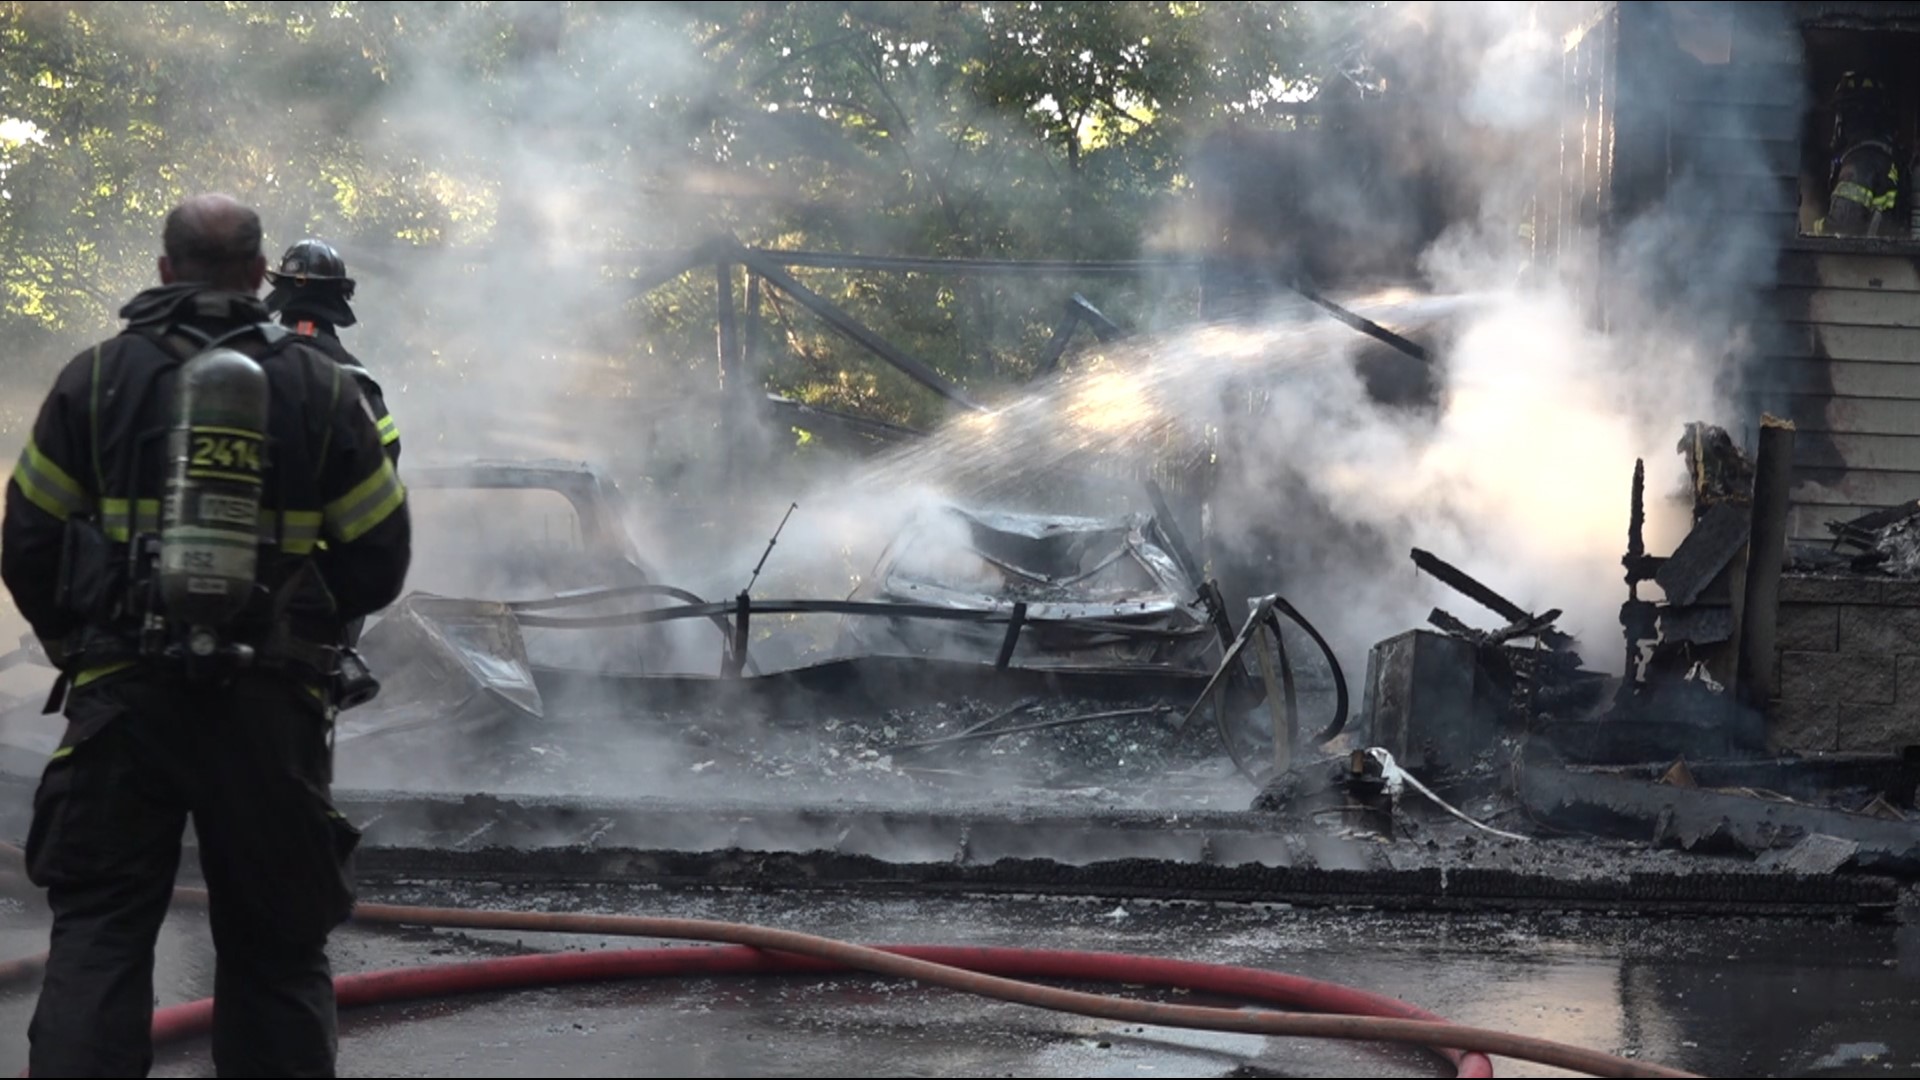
506, 531
1077, 592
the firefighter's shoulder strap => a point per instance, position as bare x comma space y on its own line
184, 342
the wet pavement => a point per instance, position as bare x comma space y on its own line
1720, 997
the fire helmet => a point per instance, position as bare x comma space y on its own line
1862, 110
312, 282
313, 261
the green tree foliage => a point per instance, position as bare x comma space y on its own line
455, 135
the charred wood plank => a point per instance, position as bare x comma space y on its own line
1860, 531
736, 660
1537, 626
1692, 818
1640, 565
1012, 640
1756, 671
1466, 585
1056, 346
1365, 325
800, 412
855, 330
833, 260
660, 268
1447, 623
1103, 328
1704, 625
1704, 553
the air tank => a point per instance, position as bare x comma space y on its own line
216, 472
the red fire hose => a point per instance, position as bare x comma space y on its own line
555, 969
1344, 1013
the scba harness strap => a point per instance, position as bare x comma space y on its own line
102, 649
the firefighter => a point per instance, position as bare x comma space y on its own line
310, 294
160, 538
1864, 180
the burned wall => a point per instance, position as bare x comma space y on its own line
1841, 329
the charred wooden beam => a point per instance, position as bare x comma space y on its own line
1759, 615
855, 330
1466, 585
800, 412
1049, 360
1640, 565
1365, 325
1861, 531
1448, 623
1538, 626
1103, 328
658, 269
1012, 640
1611, 804
833, 260
1079, 310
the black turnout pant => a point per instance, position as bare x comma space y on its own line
250, 761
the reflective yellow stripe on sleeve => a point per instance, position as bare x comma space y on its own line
101, 672
47, 486
371, 502
300, 532
389, 430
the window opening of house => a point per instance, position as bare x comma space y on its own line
1859, 150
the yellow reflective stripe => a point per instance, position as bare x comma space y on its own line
371, 502
389, 430
120, 522
100, 672
302, 528
47, 486
239, 433
60, 753
1859, 193
232, 477
299, 533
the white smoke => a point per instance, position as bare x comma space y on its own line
1522, 477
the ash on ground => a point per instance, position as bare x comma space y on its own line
1052, 752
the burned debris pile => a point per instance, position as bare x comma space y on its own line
1528, 665
1691, 744
1885, 542
1014, 656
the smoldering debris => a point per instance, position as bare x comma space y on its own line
1885, 542
1039, 753
1675, 751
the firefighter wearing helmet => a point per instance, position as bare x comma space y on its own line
310, 295
161, 536
1864, 180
